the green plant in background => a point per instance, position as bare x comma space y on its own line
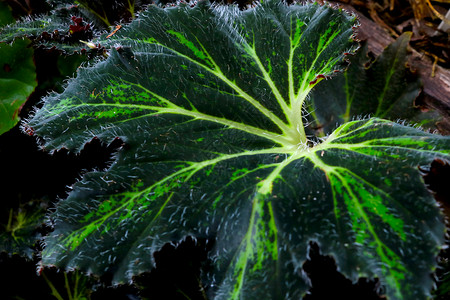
211, 103
58, 29
17, 81
20, 229
5, 15
109, 12
77, 286
383, 88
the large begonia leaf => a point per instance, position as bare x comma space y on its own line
208, 102
17, 81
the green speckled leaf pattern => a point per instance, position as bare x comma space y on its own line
208, 100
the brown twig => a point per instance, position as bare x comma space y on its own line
374, 15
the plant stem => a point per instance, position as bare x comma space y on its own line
55, 292
66, 283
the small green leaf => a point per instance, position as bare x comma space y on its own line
19, 234
76, 286
68, 65
208, 100
17, 81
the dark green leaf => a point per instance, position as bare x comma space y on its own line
68, 65
72, 24
386, 89
208, 101
19, 232
5, 14
17, 81
56, 29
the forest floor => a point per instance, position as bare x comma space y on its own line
424, 18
